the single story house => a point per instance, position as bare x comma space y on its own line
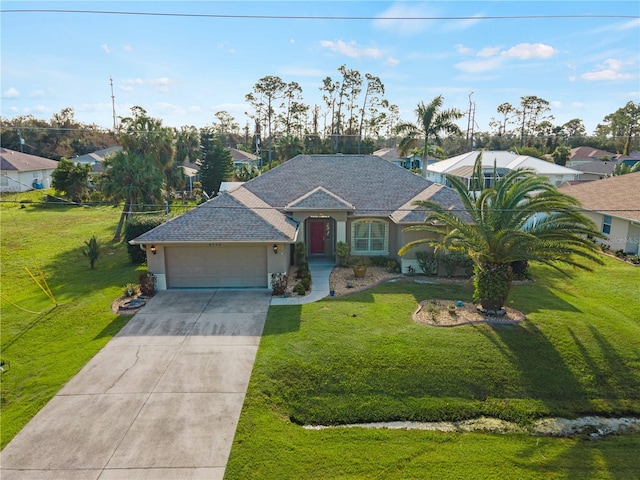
393, 155
582, 155
613, 204
244, 158
20, 172
496, 163
241, 237
96, 159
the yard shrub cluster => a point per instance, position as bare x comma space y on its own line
135, 227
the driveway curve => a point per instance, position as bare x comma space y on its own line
160, 401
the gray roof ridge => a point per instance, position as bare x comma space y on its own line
266, 212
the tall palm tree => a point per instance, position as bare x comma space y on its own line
130, 177
432, 122
522, 217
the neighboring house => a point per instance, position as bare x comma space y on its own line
614, 205
96, 159
20, 172
239, 238
496, 163
393, 155
597, 169
244, 158
583, 155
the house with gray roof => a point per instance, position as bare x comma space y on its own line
20, 172
241, 237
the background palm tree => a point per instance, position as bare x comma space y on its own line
521, 218
432, 122
130, 177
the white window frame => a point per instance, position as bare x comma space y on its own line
606, 224
355, 240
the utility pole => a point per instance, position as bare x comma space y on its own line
471, 119
113, 104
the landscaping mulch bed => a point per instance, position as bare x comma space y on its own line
435, 312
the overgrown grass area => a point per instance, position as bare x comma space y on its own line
361, 358
45, 345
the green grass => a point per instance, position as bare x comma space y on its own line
362, 359
46, 345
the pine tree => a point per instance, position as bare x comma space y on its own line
217, 164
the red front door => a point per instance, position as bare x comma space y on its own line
317, 237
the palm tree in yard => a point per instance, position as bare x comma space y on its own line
432, 122
521, 218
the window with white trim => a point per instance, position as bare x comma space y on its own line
606, 224
369, 237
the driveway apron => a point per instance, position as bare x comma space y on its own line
160, 401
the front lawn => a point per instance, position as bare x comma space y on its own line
362, 359
46, 345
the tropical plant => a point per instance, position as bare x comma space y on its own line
343, 251
71, 179
522, 217
132, 178
92, 252
432, 122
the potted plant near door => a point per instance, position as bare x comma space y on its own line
359, 266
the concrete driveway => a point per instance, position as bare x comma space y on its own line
160, 401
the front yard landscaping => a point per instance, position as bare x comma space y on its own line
362, 358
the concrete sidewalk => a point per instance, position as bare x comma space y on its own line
160, 401
320, 272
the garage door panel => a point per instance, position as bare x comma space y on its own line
214, 267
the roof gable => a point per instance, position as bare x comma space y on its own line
319, 199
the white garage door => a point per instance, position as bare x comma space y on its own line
224, 266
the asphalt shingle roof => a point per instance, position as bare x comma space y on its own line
617, 196
366, 185
10, 160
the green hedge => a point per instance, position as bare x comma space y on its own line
135, 227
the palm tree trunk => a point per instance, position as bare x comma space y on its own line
123, 215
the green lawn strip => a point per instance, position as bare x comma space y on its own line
362, 359
45, 350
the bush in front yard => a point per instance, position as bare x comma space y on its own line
135, 227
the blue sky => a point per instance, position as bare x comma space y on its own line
184, 69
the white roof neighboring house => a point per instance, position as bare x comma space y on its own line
20, 172
462, 166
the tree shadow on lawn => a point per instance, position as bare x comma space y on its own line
612, 374
581, 457
544, 373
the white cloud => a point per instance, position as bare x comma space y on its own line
292, 40
37, 94
391, 61
105, 48
162, 84
11, 92
461, 24
572, 78
488, 52
169, 109
351, 49
401, 19
556, 104
475, 66
525, 51
609, 70
127, 48
462, 50
635, 23
129, 84
577, 104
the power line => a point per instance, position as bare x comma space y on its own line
321, 17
